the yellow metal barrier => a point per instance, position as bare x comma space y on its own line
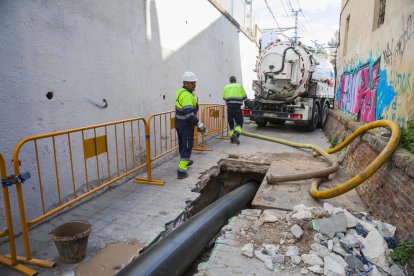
158, 143
94, 156
368, 171
214, 118
11, 259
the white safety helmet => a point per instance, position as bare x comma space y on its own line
189, 77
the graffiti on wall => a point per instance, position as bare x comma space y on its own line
394, 50
358, 91
401, 107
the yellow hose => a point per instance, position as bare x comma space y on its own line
357, 179
370, 169
299, 176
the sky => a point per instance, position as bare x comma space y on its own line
318, 21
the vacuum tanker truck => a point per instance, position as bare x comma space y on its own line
294, 83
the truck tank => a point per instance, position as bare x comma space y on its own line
285, 72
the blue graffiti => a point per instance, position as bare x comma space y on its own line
385, 95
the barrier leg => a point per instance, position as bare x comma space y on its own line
10, 260
196, 147
224, 127
25, 233
148, 180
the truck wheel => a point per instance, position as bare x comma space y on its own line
262, 123
324, 115
315, 117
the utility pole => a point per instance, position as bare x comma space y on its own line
295, 13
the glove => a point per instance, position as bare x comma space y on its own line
201, 128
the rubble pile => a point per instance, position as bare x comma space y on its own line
328, 241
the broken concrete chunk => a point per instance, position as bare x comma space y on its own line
295, 259
367, 225
375, 250
251, 212
269, 264
296, 231
339, 250
339, 235
269, 216
302, 214
320, 249
248, 250
292, 251
330, 245
278, 259
351, 220
304, 271
354, 263
395, 270
282, 242
351, 241
321, 237
328, 207
338, 259
385, 229
316, 269
300, 207
271, 249
312, 259
333, 268
330, 226
259, 254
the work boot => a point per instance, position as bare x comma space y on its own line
236, 140
190, 162
181, 175
236, 135
232, 139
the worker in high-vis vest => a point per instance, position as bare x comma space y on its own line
234, 95
185, 121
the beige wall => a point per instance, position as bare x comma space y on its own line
375, 65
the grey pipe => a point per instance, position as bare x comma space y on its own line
178, 250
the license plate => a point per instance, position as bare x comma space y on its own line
270, 115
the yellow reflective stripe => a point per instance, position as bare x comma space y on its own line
182, 165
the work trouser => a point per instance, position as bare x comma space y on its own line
185, 134
234, 115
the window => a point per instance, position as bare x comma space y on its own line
345, 49
379, 14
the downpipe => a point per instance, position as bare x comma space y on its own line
179, 249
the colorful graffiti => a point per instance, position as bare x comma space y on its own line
358, 91
365, 93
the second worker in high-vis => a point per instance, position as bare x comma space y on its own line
185, 122
234, 95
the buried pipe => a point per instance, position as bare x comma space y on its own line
272, 179
178, 250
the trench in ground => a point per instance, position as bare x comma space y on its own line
215, 183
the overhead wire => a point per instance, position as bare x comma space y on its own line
274, 18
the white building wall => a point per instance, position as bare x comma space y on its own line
130, 53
